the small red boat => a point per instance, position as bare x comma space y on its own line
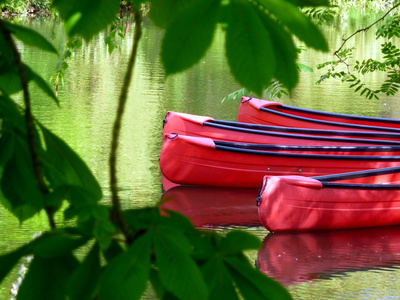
213, 206
353, 200
203, 161
202, 126
297, 257
258, 111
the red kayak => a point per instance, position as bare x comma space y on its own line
213, 206
202, 126
297, 257
258, 111
203, 161
354, 200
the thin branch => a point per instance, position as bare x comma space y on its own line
29, 121
362, 30
117, 211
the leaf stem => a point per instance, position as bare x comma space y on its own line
362, 30
29, 122
117, 211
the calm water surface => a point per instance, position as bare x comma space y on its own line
353, 264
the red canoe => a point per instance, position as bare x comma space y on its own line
258, 111
213, 206
297, 257
353, 200
202, 126
203, 161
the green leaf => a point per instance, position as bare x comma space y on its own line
238, 241
156, 284
304, 68
64, 167
18, 171
11, 116
284, 50
162, 12
219, 280
10, 80
31, 37
126, 276
55, 197
9, 260
86, 17
6, 50
7, 143
177, 270
103, 228
46, 278
252, 283
311, 3
57, 244
83, 282
41, 83
94, 220
296, 22
249, 47
113, 251
236, 95
189, 35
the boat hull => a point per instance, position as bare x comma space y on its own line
258, 111
199, 161
202, 126
295, 203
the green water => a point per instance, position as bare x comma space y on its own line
88, 103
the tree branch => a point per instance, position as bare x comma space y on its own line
117, 211
362, 30
29, 121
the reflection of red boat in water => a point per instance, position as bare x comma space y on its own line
213, 206
299, 257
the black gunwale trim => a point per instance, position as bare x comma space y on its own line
344, 116
358, 174
316, 156
360, 186
308, 131
376, 128
266, 147
307, 137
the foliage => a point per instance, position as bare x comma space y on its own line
26, 7
68, 52
116, 29
121, 251
254, 39
390, 65
320, 15
274, 90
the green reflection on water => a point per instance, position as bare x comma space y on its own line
88, 103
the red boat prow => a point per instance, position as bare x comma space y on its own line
296, 203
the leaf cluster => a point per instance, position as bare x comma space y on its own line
259, 44
68, 50
116, 29
320, 15
391, 28
390, 64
